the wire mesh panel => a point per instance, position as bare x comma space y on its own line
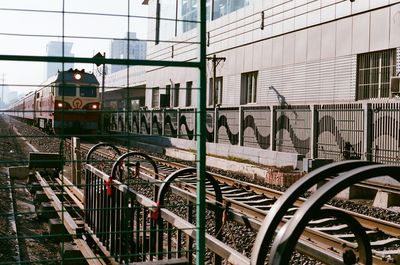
145, 121
293, 129
340, 131
75, 74
187, 122
385, 133
171, 123
257, 127
228, 126
210, 125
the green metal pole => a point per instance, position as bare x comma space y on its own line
201, 141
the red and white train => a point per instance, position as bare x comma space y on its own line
67, 102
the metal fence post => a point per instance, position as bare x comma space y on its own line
76, 161
314, 131
273, 128
178, 123
151, 122
367, 148
241, 126
216, 114
163, 123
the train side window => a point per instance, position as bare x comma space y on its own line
37, 94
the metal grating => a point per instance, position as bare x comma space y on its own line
99, 53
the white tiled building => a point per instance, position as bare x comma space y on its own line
298, 51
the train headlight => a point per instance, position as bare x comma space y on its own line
59, 104
77, 76
94, 106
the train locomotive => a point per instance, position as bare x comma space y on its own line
68, 102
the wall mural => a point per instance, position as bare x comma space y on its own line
386, 137
157, 128
185, 132
340, 129
344, 147
135, 123
233, 137
301, 146
209, 128
263, 141
144, 128
170, 127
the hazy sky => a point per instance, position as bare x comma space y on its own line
28, 32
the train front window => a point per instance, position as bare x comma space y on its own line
67, 91
88, 91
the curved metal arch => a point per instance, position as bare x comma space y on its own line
284, 202
96, 146
137, 154
218, 197
181, 172
289, 234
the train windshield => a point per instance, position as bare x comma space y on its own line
67, 90
88, 91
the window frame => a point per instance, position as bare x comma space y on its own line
220, 85
374, 70
249, 89
189, 86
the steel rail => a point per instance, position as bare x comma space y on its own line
240, 209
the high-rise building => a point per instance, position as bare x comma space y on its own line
55, 48
119, 50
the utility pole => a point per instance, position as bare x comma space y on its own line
215, 60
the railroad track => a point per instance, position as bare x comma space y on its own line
248, 204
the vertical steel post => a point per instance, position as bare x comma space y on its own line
368, 130
201, 140
314, 132
273, 128
76, 161
102, 95
241, 125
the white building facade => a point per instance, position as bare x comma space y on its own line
278, 52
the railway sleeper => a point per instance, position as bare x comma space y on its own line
334, 229
321, 222
57, 231
237, 194
248, 197
385, 243
71, 255
371, 234
261, 202
265, 208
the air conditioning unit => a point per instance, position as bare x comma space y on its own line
395, 86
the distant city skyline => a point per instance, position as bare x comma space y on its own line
26, 27
55, 48
119, 50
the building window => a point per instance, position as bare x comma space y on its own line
175, 96
187, 11
224, 7
249, 88
374, 70
189, 93
155, 98
218, 91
